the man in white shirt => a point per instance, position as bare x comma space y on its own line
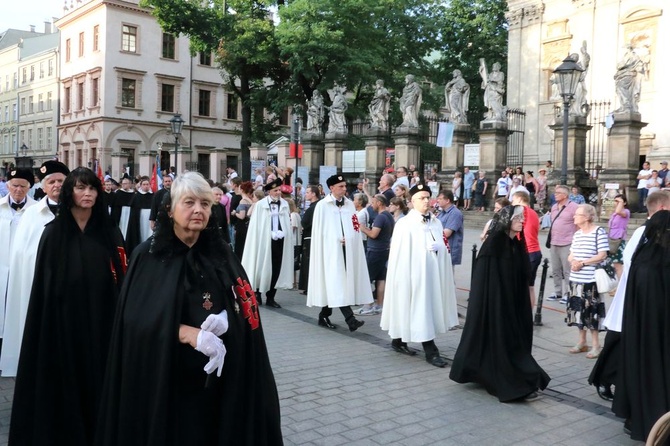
642, 190
503, 185
401, 178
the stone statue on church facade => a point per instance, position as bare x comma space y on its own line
315, 114
379, 107
457, 98
410, 103
628, 81
493, 84
337, 122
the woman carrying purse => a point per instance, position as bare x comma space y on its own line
617, 230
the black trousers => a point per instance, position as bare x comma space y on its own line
347, 312
277, 249
303, 283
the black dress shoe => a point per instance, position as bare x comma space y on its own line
605, 392
354, 324
436, 360
402, 348
259, 299
325, 322
272, 303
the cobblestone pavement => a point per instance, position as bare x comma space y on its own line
338, 387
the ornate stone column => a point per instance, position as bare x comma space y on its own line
216, 158
623, 155
492, 151
376, 142
577, 130
312, 155
147, 160
119, 161
406, 146
334, 144
452, 157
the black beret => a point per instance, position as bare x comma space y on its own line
273, 184
335, 179
49, 167
419, 188
22, 173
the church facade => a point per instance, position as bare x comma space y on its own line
543, 33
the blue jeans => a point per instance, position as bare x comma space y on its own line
642, 197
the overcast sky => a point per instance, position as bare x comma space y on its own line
20, 14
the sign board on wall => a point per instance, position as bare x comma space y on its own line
257, 164
326, 172
471, 155
353, 161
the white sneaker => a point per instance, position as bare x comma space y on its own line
366, 310
377, 309
552, 297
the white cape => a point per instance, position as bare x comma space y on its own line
22, 258
614, 315
420, 298
257, 257
330, 282
9, 222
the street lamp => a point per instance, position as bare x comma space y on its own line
24, 149
568, 74
176, 123
295, 136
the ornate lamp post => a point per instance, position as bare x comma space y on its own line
568, 74
176, 124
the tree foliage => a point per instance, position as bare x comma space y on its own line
472, 29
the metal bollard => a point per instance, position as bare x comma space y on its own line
540, 296
474, 260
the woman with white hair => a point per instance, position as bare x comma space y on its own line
186, 306
586, 310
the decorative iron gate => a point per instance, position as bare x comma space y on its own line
596, 138
516, 127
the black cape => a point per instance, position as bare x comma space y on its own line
135, 221
219, 216
156, 392
120, 200
67, 333
307, 219
495, 347
643, 387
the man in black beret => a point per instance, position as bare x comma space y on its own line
268, 250
338, 273
420, 299
22, 257
12, 208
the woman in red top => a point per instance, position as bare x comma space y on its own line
531, 230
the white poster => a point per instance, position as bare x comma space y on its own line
326, 172
353, 161
445, 134
471, 155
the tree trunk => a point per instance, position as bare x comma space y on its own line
245, 141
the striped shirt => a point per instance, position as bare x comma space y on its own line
585, 246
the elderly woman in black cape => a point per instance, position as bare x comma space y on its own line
643, 385
188, 362
495, 348
78, 273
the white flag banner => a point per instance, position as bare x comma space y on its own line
445, 133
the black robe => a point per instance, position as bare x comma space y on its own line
67, 333
219, 216
138, 203
156, 393
495, 347
643, 388
307, 219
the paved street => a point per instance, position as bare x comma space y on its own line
338, 387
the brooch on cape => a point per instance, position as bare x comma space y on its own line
207, 304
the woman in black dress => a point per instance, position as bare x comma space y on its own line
78, 273
495, 348
188, 363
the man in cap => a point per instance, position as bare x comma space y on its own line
338, 273
12, 207
420, 296
22, 260
268, 251
663, 174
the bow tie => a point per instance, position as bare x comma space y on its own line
274, 203
17, 206
340, 203
426, 218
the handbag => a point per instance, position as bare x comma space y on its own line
548, 243
614, 244
606, 279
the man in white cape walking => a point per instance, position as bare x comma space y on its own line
338, 273
268, 251
420, 298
